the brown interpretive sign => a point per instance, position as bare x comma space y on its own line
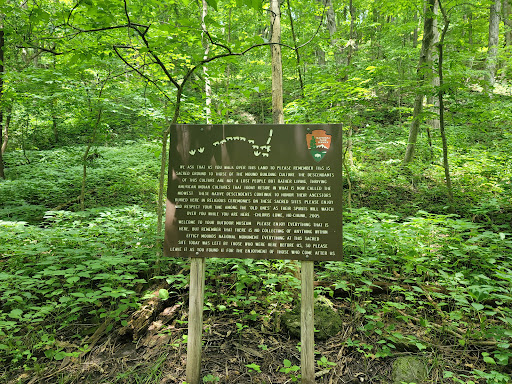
255, 191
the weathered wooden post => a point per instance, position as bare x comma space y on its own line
307, 324
195, 320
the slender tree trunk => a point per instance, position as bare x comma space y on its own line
508, 33
2, 172
426, 44
277, 67
228, 65
347, 173
430, 145
375, 45
470, 28
350, 153
24, 129
295, 46
206, 45
507, 10
352, 36
433, 102
91, 143
492, 52
163, 172
2, 42
5, 138
400, 71
331, 20
320, 54
160, 207
414, 37
54, 114
332, 27
440, 93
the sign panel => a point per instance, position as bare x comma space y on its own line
255, 191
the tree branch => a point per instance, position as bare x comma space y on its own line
157, 59
72, 10
126, 12
43, 49
138, 71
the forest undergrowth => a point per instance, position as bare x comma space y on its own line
415, 279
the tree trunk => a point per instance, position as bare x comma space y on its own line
331, 26
331, 20
2, 42
492, 53
432, 101
54, 113
319, 52
277, 67
374, 43
470, 28
24, 129
508, 33
163, 172
506, 20
207, 86
426, 44
350, 153
228, 65
352, 36
440, 93
91, 143
2, 172
295, 46
5, 137
414, 36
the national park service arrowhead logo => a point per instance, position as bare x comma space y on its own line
319, 143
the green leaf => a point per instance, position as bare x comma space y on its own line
477, 306
488, 359
253, 366
447, 374
163, 294
60, 355
421, 346
16, 314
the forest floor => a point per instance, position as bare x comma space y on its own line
239, 351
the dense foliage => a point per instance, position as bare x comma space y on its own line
90, 86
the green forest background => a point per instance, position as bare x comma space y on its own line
89, 89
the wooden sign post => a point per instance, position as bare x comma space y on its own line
195, 320
307, 324
259, 192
